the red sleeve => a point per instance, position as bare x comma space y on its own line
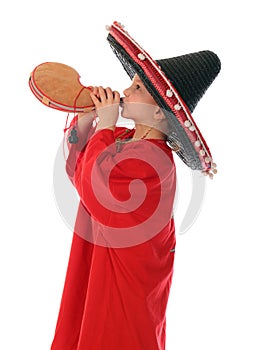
75, 149
135, 181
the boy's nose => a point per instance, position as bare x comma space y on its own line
126, 92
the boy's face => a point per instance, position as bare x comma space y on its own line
138, 104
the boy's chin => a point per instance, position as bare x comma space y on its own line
125, 116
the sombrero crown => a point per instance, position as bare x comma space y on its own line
177, 84
191, 74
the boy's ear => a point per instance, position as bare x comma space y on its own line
159, 115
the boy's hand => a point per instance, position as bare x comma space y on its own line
107, 104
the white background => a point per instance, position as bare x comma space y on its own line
214, 297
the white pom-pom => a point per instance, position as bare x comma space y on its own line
187, 123
141, 56
169, 93
177, 107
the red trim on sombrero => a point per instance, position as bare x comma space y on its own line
162, 84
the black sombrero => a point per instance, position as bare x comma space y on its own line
177, 84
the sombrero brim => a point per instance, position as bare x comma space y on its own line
192, 148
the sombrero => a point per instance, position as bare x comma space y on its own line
176, 84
